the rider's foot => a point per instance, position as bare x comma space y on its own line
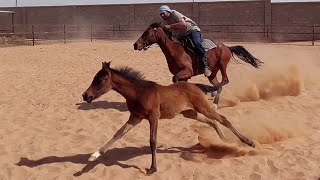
207, 71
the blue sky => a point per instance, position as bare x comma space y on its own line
12, 3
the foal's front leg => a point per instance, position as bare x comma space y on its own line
153, 121
118, 135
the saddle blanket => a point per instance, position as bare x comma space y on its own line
207, 44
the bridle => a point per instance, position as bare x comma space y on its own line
154, 33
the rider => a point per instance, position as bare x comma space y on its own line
185, 27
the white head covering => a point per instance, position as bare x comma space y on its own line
164, 8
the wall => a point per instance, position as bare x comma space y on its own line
212, 17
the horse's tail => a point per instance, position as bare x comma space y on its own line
205, 88
245, 56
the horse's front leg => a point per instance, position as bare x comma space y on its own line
182, 75
118, 135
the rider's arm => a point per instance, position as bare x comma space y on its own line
180, 19
180, 25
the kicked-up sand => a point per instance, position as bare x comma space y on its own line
48, 132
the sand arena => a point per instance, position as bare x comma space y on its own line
48, 132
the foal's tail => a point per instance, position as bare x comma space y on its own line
245, 56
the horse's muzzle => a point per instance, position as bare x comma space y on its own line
135, 46
87, 98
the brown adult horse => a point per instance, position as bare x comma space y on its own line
183, 63
151, 101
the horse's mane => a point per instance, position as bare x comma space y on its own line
157, 25
129, 73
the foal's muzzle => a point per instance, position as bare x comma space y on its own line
87, 98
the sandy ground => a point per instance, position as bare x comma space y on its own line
48, 132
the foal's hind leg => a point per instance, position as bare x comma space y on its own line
192, 114
122, 131
204, 108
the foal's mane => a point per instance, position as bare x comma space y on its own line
129, 73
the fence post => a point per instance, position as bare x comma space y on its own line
32, 35
64, 33
313, 36
91, 33
113, 33
267, 33
13, 29
227, 33
12, 22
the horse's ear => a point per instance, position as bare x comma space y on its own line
160, 24
156, 25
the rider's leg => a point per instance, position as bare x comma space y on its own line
196, 38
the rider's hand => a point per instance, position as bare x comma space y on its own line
167, 27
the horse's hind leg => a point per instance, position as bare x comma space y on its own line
182, 75
223, 69
118, 135
208, 112
216, 94
192, 114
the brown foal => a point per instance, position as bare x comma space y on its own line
152, 101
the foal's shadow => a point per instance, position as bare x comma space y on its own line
121, 106
112, 157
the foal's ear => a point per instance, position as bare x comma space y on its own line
106, 66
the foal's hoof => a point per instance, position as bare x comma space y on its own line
94, 156
151, 170
251, 143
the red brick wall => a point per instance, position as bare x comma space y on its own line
296, 13
206, 14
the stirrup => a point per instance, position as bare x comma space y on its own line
207, 71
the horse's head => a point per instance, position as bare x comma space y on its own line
100, 85
148, 37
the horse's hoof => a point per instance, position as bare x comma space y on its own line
151, 170
215, 106
214, 93
94, 156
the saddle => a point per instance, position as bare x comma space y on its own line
187, 43
207, 44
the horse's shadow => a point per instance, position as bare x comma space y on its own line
112, 157
120, 106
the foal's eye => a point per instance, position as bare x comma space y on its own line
101, 80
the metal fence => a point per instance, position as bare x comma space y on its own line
38, 34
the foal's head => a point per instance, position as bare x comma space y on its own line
100, 85
108, 78
148, 38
